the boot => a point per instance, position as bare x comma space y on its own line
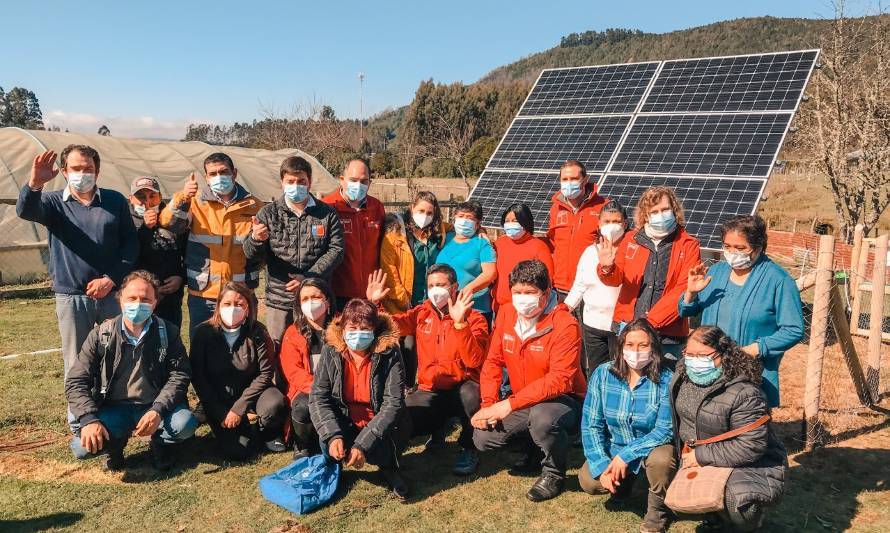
658, 516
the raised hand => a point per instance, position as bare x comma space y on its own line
258, 231
460, 307
43, 169
607, 252
697, 279
377, 289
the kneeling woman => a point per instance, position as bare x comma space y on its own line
626, 424
716, 389
232, 373
357, 402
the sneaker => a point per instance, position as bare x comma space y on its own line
396, 483
162, 456
529, 464
301, 454
547, 487
467, 462
115, 460
276, 445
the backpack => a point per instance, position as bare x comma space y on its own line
105, 331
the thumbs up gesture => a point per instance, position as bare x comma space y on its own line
191, 187
258, 231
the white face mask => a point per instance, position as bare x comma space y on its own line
439, 296
422, 219
314, 308
612, 231
738, 260
82, 181
636, 360
527, 305
231, 315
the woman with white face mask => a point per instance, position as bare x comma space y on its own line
301, 349
232, 359
517, 244
749, 297
411, 244
598, 298
626, 424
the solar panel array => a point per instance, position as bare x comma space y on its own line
710, 128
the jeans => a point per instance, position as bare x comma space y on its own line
120, 421
200, 310
77, 315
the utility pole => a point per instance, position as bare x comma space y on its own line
361, 110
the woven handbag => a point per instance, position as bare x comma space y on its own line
700, 489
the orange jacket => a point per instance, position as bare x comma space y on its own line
630, 265
294, 361
510, 253
446, 356
216, 233
570, 232
541, 367
362, 232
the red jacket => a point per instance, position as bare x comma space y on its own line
630, 265
294, 361
570, 232
446, 356
510, 253
541, 367
362, 233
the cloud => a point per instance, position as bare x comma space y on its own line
137, 127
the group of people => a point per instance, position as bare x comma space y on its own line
382, 327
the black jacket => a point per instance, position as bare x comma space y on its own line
329, 412
230, 379
758, 457
91, 373
161, 251
311, 245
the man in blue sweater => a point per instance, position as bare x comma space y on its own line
92, 242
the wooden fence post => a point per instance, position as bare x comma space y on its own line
858, 277
854, 258
876, 317
813, 429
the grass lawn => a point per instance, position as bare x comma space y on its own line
841, 487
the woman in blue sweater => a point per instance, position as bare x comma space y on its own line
749, 297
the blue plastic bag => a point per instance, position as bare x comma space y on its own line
302, 486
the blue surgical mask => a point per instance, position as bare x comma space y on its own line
222, 184
464, 227
570, 189
359, 339
139, 210
662, 222
295, 192
514, 230
702, 370
82, 181
137, 312
356, 190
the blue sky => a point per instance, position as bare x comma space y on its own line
148, 69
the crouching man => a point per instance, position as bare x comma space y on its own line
130, 378
538, 343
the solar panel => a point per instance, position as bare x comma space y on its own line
576, 91
706, 201
545, 143
771, 82
723, 145
711, 128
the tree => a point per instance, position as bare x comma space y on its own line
103, 130
4, 109
22, 109
479, 154
846, 122
383, 162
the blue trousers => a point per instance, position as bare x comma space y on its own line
120, 421
200, 310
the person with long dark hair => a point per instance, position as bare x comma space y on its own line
517, 244
301, 349
716, 389
626, 424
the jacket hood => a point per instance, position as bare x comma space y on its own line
386, 336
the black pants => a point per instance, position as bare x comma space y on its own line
170, 309
305, 437
431, 410
385, 452
547, 423
597, 347
240, 442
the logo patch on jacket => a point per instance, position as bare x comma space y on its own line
428, 326
318, 231
562, 217
631, 250
536, 346
509, 343
347, 225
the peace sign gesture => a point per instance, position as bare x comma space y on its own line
696, 280
460, 307
43, 169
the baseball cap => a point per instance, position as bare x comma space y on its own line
145, 182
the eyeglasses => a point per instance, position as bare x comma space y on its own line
711, 355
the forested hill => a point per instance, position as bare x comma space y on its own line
741, 36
